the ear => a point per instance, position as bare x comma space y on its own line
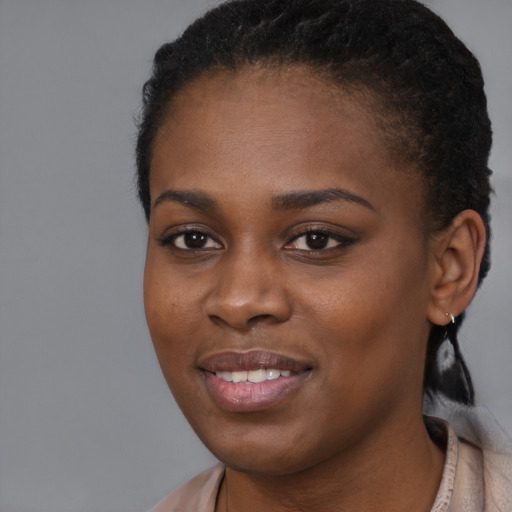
458, 252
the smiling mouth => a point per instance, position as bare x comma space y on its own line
253, 376
234, 362
252, 381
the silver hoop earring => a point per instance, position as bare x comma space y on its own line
452, 318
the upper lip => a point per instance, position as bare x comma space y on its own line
230, 361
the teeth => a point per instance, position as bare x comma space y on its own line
272, 374
253, 376
257, 376
239, 376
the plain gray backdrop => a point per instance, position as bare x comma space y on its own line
86, 421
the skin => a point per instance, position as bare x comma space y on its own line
351, 436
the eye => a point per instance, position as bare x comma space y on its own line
318, 240
190, 240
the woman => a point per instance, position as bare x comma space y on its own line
314, 174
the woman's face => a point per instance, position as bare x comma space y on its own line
286, 249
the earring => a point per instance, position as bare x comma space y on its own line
452, 318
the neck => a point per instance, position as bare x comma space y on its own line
399, 470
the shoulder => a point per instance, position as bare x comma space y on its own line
484, 476
484, 459
197, 495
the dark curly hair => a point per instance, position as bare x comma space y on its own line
428, 86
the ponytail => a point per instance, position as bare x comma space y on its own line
446, 372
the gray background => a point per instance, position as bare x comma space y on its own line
86, 421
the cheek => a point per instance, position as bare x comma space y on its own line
169, 321
169, 313
371, 322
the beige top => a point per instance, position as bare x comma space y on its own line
473, 480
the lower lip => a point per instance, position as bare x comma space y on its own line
240, 397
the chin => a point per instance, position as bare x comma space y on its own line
266, 450
264, 464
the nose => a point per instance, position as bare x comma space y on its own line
248, 290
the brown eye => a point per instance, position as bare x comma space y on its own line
316, 241
319, 240
193, 240
190, 241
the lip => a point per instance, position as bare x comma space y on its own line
241, 397
231, 361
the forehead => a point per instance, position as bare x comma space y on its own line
284, 124
253, 95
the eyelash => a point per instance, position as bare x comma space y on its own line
342, 241
170, 240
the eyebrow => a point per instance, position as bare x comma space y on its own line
289, 201
308, 198
195, 200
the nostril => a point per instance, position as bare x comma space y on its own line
258, 318
217, 320
243, 306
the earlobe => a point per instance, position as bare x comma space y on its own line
458, 252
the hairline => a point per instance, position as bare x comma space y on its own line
369, 98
